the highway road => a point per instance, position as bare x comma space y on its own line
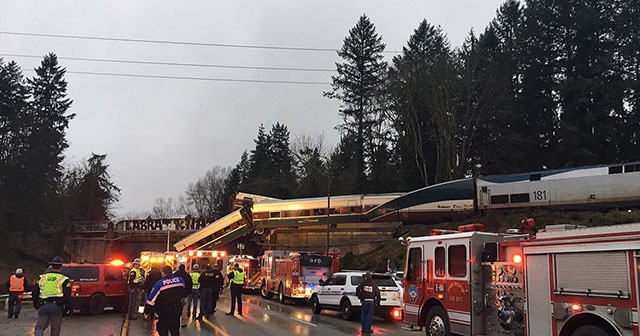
260, 317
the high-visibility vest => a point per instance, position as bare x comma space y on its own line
238, 278
195, 276
16, 284
139, 276
51, 285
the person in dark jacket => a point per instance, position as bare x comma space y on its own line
149, 281
181, 272
50, 295
211, 282
166, 300
236, 278
17, 285
368, 293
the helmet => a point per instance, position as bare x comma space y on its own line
57, 260
136, 261
195, 266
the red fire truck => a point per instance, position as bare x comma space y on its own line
294, 275
250, 266
566, 280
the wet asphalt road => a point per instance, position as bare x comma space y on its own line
260, 317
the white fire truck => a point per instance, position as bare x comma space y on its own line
565, 281
251, 267
294, 275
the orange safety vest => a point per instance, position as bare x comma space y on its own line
16, 284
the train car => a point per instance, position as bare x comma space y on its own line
269, 214
439, 202
569, 188
224, 230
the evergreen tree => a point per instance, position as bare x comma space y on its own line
359, 87
45, 139
313, 174
283, 180
90, 191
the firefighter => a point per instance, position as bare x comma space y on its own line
135, 281
17, 285
237, 283
166, 299
181, 272
50, 295
369, 294
192, 302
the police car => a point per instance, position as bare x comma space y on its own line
339, 293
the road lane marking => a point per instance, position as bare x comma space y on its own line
209, 323
301, 321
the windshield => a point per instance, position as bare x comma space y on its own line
380, 280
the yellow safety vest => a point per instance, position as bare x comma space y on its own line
195, 276
16, 284
51, 285
238, 278
139, 275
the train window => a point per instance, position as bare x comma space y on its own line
440, 261
319, 212
275, 214
631, 168
535, 177
519, 198
304, 213
414, 273
484, 189
500, 199
287, 214
615, 170
458, 261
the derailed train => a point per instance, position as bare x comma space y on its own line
613, 185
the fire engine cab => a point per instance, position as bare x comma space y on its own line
294, 275
566, 280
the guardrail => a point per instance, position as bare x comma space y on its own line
4, 300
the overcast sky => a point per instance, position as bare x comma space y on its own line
159, 133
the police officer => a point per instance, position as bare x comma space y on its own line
181, 272
192, 301
368, 293
237, 283
17, 285
135, 281
166, 300
50, 294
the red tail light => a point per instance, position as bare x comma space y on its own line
396, 313
75, 289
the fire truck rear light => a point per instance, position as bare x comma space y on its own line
169, 257
199, 254
396, 313
576, 308
191, 253
144, 257
517, 259
440, 296
214, 254
246, 265
153, 260
222, 254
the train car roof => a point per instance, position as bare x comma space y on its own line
506, 178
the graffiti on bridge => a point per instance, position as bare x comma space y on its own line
174, 224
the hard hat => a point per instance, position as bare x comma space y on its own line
57, 260
196, 266
136, 261
19, 271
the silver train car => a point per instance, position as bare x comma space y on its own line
570, 188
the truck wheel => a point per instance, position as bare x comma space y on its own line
96, 304
315, 305
591, 330
281, 296
265, 292
437, 322
346, 310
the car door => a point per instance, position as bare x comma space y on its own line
332, 289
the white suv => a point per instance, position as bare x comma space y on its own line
339, 293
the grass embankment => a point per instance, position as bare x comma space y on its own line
498, 221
